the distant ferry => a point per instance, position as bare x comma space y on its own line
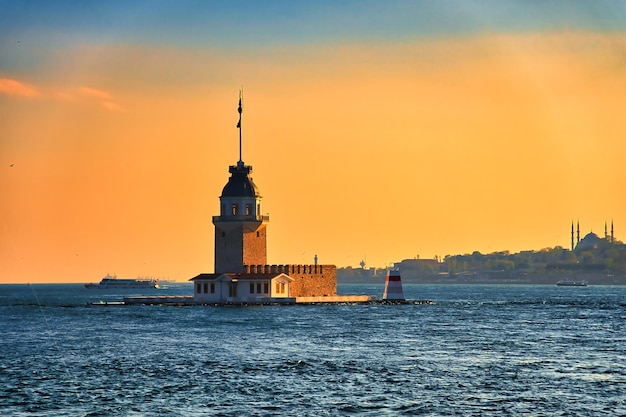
111, 282
572, 283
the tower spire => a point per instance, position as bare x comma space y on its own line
240, 110
572, 236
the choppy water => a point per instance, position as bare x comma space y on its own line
480, 350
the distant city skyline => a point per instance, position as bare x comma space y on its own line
397, 129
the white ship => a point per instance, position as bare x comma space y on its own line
112, 282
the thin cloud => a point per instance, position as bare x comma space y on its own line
92, 92
16, 88
110, 105
104, 98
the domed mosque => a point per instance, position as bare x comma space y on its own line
591, 241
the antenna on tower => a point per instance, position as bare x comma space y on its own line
240, 110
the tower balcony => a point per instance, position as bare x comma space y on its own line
241, 218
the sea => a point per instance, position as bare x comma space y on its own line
474, 350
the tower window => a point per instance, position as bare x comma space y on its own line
258, 234
234, 209
248, 209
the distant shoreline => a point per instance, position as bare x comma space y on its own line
530, 279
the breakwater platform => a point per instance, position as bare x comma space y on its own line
183, 300
189, 300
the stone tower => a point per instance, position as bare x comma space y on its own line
240, 229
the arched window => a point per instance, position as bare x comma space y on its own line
234, 209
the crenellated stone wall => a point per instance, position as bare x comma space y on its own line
309, 280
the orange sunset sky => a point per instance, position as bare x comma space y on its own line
376, 130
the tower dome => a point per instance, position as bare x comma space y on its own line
240, 184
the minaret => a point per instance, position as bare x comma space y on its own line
577, 232
612, 235
606, 233
572, 236
240, 229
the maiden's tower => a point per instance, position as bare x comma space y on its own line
241, 273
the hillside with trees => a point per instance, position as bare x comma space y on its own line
601, 262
